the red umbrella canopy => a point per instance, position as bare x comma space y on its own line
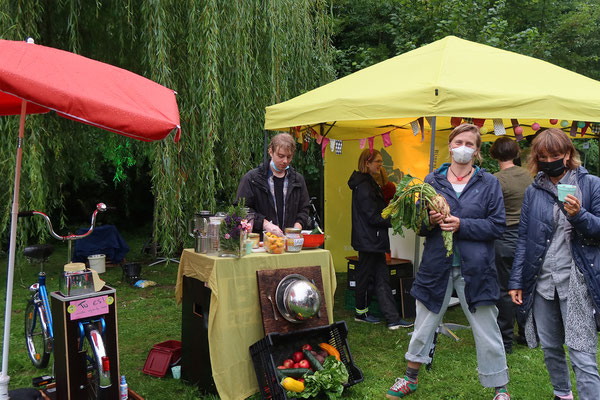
85, 90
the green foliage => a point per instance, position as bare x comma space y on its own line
226, 60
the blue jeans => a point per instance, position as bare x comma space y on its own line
550, 316
491, 359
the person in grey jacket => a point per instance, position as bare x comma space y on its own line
477, 219
555, 277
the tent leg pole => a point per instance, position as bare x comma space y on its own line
417, 258
4, 378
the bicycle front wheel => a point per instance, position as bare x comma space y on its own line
37, 335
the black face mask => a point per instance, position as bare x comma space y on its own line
552, 168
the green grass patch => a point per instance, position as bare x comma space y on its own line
149, 316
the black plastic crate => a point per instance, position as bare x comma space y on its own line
270, 352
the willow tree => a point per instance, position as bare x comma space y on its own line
226, 59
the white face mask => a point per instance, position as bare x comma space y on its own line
462, 154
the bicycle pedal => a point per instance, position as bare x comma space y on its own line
42, 380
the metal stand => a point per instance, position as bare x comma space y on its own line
160, 260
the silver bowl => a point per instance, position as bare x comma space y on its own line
297, 298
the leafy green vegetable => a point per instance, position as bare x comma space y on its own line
410, 208
328, 381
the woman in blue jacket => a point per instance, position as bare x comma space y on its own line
477, 219
555, 277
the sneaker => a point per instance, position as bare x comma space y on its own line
502, 395
366, 317
568, 397
520, 340
399, 324
401, 388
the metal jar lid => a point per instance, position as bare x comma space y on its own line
293, 230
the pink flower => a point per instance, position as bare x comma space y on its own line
227, 236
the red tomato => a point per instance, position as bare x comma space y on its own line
307, 347
281, 367
304, 364
288, 363
300, 380
297, 356
297, 365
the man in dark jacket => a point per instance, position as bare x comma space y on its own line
275, 192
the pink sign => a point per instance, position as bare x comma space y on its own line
88, 307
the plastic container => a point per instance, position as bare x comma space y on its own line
293, 240
313, 241
274, 244
270, 351
97, 263
123, 389
564, 190
162, 356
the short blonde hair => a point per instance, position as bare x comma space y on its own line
468, 128
283, 140
551, 142
365, 157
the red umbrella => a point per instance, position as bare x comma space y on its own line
38, 79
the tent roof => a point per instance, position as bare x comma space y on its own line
451, 77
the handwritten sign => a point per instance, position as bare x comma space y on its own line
88, 307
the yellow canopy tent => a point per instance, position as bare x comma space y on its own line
447, 79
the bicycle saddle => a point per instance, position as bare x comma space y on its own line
38, 251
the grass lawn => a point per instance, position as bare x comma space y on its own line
149, 316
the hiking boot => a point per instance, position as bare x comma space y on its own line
399, 324
502, 394
366, 317
401, 388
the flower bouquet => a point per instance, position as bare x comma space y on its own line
233, 231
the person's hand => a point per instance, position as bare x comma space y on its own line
297, 225
572, 205
516, 295
271, 227
435, 218
450, 224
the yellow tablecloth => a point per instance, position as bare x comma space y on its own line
235, 320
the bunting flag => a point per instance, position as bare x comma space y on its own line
422, 127
573, 131
324, 143
595, 127
468, 120
479, 122
338, 146
371, 144
306, 141
319, 138
499, 127
415, 127
332, 145
362, 143
584, 129
455, 121
429, 121
387, 141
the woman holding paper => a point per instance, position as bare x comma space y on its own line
555, 278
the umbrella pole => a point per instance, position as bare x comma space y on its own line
4, 378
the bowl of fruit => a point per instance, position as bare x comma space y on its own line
273, 244
312, 239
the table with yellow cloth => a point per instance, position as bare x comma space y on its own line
235, 320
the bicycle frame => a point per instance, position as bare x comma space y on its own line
44, 307
89, 329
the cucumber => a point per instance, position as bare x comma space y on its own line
295, 372
312, 360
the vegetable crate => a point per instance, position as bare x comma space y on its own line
270, 352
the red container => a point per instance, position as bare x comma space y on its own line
162, 356
313, 241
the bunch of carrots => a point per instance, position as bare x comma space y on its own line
410, 208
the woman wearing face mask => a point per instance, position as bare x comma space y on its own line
476, 220
370, 238
275, 192
555, 278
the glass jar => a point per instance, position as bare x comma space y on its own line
293, 240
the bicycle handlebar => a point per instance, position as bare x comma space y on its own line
99, 207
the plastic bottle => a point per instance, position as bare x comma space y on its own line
123, 389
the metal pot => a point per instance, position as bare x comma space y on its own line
297, 298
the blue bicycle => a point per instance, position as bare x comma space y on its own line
39, 333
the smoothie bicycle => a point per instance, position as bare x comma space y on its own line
39, 333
